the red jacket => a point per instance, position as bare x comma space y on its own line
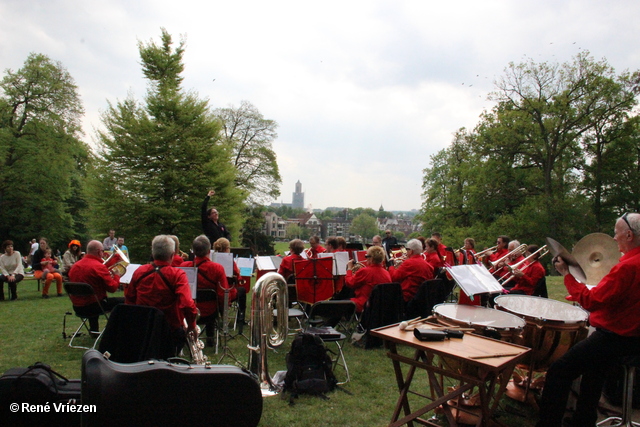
614, 303
173, 297
411, 274
317, 250
211, 275
364, 281
91, 270
532, 275
434, 259
286, 266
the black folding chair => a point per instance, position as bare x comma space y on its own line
430, 293
135, 333
80, 289
324, 318
385, 306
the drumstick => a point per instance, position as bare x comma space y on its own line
490, 356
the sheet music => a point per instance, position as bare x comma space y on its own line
192, 277
131, 268
246, 266
474, 279
359, 256
267, 263
340, 260
225, 259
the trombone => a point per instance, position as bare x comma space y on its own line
517, 251
508, 276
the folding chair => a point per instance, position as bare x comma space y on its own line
430, 293
135, 333
79, 289
324, 317
384, 307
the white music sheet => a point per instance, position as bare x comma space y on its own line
225, 259
340, 260
265, 263
131, 268
192, 277
474, 279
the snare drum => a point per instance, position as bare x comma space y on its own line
553, 327
485, 321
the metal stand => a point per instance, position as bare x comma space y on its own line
226, 351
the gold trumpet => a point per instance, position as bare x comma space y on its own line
357, 266
485, 253
509, 275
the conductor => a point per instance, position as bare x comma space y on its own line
211, 227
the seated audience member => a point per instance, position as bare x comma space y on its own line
70, 257
11, 270
165, 287
90, 269
413, 271
296, 246
120, 244
50, 273
364, 280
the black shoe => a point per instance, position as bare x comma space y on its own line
60, 295
14, 297
45, 296
94, 334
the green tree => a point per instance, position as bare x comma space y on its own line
41, 155
364, 225
249, 137
252, 235
158, 160
293, 231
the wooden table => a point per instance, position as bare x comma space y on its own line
473, 361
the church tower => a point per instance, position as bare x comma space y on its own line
298, 197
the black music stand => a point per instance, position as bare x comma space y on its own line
314, 279
242, 252
226, 351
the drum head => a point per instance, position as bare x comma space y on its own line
541, 308
480, 316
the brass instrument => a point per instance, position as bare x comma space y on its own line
357, 266
117, 262
485, 253
517, 251
196, 346
270, 292
507, 277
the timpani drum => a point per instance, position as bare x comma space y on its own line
485, 321
552, 327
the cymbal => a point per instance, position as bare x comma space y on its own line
597, 253
574, 266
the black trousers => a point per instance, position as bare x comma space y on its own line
93, 312
592, 358
13, 294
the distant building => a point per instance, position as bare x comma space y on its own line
297, 202
274, 226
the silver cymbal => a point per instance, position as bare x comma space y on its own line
574, 266
597, 253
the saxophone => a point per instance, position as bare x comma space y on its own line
196, 346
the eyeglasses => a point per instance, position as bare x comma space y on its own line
367, 256
624, 218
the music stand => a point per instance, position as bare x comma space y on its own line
226, 351
314, 279
242, 252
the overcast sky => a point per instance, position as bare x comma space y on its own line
364, 92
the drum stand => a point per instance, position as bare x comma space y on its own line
226, 351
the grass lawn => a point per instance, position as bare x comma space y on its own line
31, 331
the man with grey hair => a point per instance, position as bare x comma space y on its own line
160, 285
614, 306
413, 271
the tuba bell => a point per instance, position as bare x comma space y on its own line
270, 292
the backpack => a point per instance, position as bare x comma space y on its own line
309, 367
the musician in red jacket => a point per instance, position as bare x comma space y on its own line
366, 278
165, 287
296, 246
614, 306
413, 271
316, 248
90, 269
528, 275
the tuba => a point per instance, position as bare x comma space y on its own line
270, 292
117, 262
